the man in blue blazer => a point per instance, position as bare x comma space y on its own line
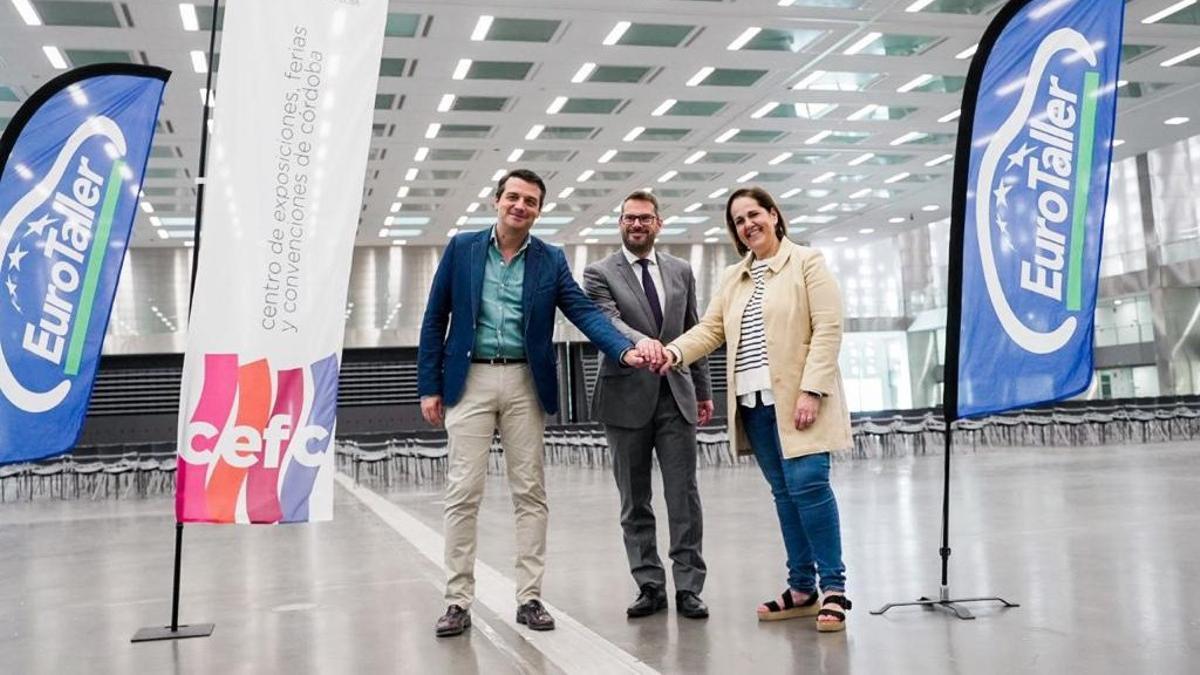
497, 291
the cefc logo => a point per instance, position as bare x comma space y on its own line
1032, 192
256, 440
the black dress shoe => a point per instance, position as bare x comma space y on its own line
534, 615
650, 600
690, 605
453, 622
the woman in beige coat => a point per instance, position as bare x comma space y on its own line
780, 312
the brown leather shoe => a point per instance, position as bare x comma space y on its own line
453, 622
534, 615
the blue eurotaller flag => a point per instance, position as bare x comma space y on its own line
1030, 186
71, 167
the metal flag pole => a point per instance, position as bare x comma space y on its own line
176, 631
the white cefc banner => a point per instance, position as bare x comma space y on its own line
292, 129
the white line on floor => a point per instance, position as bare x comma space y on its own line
573, 647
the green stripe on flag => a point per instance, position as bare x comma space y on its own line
1083, 184
95, 262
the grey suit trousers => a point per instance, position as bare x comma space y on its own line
674, 440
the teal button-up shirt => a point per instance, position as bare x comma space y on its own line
499, 331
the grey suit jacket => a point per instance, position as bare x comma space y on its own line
625, 397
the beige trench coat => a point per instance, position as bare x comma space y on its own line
802, 313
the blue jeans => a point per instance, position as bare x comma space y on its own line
804, 501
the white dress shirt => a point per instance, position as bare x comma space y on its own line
655, 275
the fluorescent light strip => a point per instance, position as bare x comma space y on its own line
583, 177
909, 137
746, 176
825, 177
565, 192
55, 57
940, 159
865, 157
663, 107
727, 134
897, 178
402, 192
460, 70
791, 193
918, 5
411, 174
28, 14
693, 206
199, 61
914, 83
484, 193
950, 116
700, 76
780, 158
187, 14
607, 156
446, 103
421, 153
862, 43
516, 154
1181, 58
633, 133
535, 131
862, 112
818, 137
695, 157
481, 28
1176, 121
717, 193
668, 176
746, 36
472, 207
615, 34
968, 52
432, 130
808, 80
763, 111
556, 105
861, 193
1168, 11
828, 207
583, 73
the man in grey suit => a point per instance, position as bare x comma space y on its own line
651, 299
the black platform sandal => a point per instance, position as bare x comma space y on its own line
787, 608
838, 615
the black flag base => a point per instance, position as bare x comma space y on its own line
945, 603
154, 633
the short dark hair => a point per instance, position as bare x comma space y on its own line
641, 196
764, 200
527, 176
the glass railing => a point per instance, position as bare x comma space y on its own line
1128, 334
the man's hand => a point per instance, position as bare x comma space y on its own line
432, 410
669, 362
807, 406
651, 351
633, 358
704, 412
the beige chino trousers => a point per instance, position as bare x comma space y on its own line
495, 397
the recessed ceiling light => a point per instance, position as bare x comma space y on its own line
951, 116
446, 103
818, 137
897, 219
692, 207
940, 159
402, 192
746, 36
862, 43
187, 14
421, 153
865, 157
1117, 142
930, 207
556, 105
199, 62
1168, 11
968, 52
695, 157
55, 57
162, 234
809, 79
411, 174
791, 193
861, 193
711, 240
615, 34
565, 192
918, 5
717, 193
668, 176
700, 76
897, 177
485, 192
780, 158
1181, 58
633, 133
472, 207
516, 154
591, 240
583, 73
498, 175
766, 108
607, 156
481, 28
824, 177
862, 112
727, 134
908, 137
828, 207
535, 131
583, 177
549, 207
663, 107
395, 208
432, 130
867, 230
28, 14
914, 83
749, 175
841, 239
1176, 121
460, 70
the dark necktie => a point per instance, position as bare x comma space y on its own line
651, 293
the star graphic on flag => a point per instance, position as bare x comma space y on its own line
12, 292
1018, 157
1002, 193
14, 258
38, 226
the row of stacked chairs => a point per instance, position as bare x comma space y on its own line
94, 472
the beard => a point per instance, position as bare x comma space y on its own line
638, 248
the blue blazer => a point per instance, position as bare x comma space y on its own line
443, 359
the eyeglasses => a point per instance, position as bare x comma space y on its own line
643, 218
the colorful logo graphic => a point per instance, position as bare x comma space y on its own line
1032, 194
66, 220
257, 447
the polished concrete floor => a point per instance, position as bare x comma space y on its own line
1101, 546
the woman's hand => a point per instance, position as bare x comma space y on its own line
807, 406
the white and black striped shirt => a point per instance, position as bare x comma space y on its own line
751, 369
